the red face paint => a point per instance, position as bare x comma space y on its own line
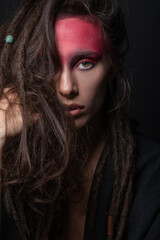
75, 36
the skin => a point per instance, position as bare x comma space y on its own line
82, 81
10, 116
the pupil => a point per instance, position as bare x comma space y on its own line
85, 64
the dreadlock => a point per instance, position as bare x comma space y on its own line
120, 147
29, 183
43, 151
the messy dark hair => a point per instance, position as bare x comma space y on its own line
37, 161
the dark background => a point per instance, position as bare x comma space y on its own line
142, 60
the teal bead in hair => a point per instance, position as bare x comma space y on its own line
9, 39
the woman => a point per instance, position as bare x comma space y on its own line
68, 152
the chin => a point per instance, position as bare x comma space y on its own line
80, 123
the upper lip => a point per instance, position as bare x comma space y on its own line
73, 106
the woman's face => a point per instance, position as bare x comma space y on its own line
81, 85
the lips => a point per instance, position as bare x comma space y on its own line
74, 109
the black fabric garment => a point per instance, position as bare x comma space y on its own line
8, 227
144, 218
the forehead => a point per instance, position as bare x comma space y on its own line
73, 33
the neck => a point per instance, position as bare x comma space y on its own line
94, 137
93, 132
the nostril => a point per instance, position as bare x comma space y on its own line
69, 94
73, 93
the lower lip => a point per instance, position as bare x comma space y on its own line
76, 112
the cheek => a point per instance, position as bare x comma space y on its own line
97, 97
93, 85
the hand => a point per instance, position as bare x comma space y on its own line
10, 116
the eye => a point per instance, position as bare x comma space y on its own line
85, 65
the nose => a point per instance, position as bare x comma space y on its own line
67, 84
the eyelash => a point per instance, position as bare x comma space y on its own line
90, 62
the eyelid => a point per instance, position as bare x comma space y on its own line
89, 60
